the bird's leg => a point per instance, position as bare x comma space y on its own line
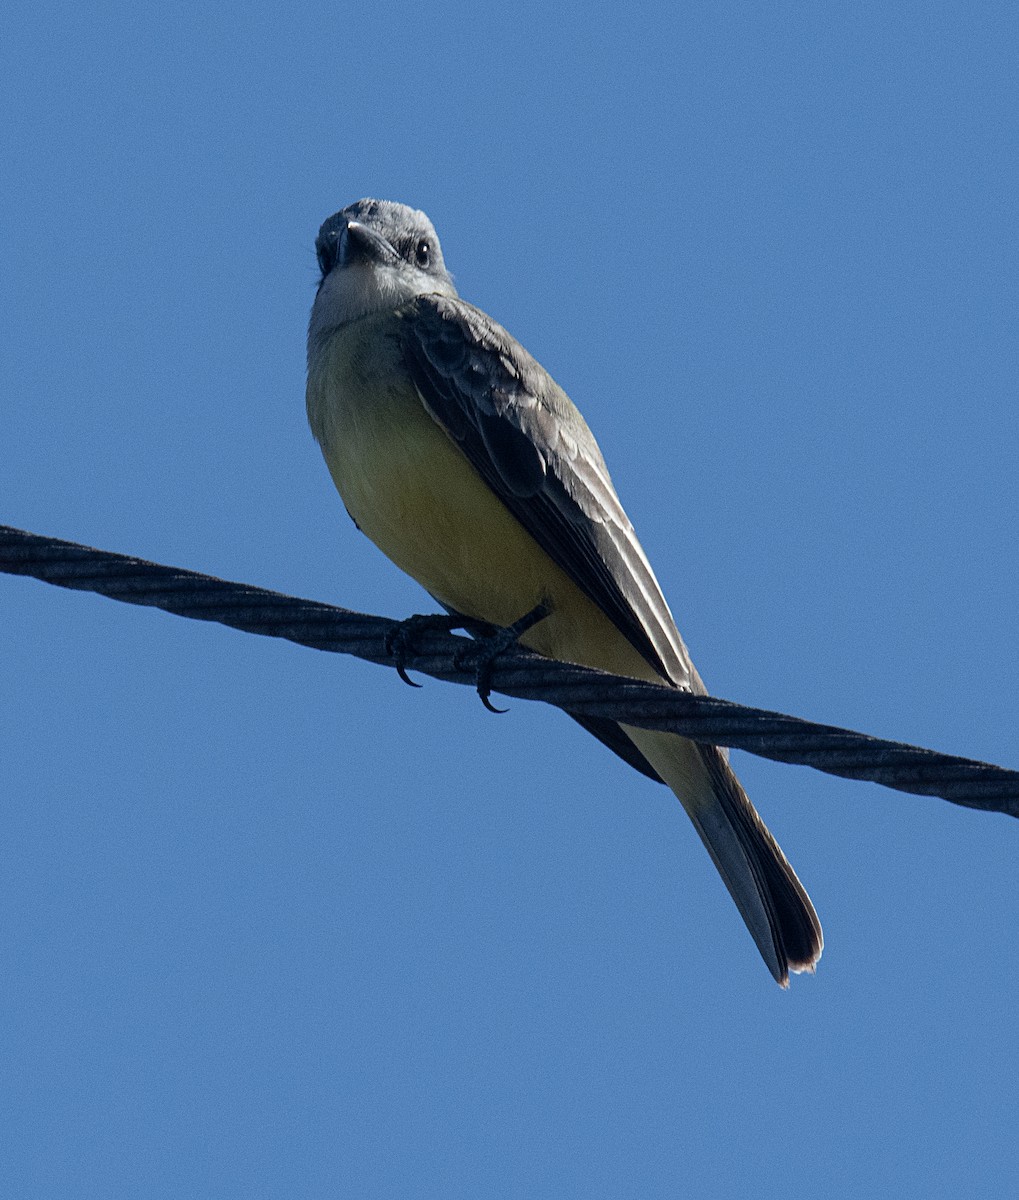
400, 639
497, 643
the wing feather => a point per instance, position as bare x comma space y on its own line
527, 440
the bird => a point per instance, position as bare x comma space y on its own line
461, 458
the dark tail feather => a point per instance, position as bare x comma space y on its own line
780, 917
610, 734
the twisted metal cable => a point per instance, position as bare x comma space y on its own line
516, 673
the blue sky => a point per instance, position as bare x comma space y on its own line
273, 924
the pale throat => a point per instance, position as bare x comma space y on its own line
349, 293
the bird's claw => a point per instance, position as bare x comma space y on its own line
495, 644
400, 639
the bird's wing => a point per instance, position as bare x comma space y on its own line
526, 439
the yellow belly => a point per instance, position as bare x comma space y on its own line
413, 492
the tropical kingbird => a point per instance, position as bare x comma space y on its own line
466, 464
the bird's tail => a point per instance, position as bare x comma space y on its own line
771, 900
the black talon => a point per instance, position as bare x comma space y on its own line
497, 643
401, 670
400, 640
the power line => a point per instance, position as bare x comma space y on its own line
516, 673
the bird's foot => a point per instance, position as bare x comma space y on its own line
496, 643
400, 640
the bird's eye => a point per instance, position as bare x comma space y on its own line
326, 257
423, 253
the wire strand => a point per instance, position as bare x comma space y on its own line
517, 673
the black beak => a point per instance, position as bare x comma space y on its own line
361, 243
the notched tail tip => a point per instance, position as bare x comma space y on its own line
803, 967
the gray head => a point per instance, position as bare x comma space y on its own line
375, 255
